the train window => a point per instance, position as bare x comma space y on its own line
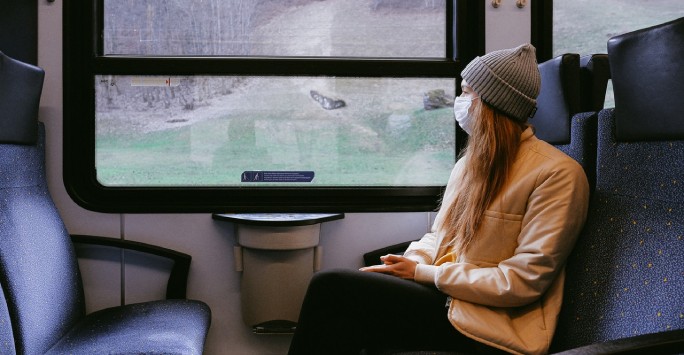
584, 26
222, 131
270, 105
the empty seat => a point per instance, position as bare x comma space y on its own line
42, 307
625, 276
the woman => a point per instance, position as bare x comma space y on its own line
510, 215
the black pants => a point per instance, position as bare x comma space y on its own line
345, 311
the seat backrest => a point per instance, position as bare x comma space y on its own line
43, 294
654, 58
625, 276
558, 99
558, 120
21, 85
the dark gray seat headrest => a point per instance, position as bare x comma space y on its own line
558, 99
647, 69
21, 85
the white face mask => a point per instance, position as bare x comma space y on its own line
463, 117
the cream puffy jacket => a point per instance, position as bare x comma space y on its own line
506, 291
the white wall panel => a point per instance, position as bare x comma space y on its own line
507, 26
345, 241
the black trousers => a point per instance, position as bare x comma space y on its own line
345, 311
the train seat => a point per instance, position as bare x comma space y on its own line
624, 289
42, 306
560, 119
625, 275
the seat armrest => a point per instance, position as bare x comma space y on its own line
373, 257
177, 285
669, 342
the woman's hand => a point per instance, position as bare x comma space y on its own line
394, 265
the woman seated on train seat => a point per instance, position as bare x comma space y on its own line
512, 210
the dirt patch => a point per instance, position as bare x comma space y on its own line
289, 28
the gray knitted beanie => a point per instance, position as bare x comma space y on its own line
507, 79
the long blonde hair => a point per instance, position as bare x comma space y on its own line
490, 152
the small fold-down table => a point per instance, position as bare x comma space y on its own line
277, 254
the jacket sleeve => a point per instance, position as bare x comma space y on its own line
555, 215
424, 250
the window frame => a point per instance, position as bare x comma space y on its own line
83, 60
542, 29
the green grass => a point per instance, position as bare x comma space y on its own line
215, 152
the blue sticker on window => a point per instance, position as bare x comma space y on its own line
277, 176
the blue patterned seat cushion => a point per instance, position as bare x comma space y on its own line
41, 295
157, 327
582, 146
626, 274
38, 268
